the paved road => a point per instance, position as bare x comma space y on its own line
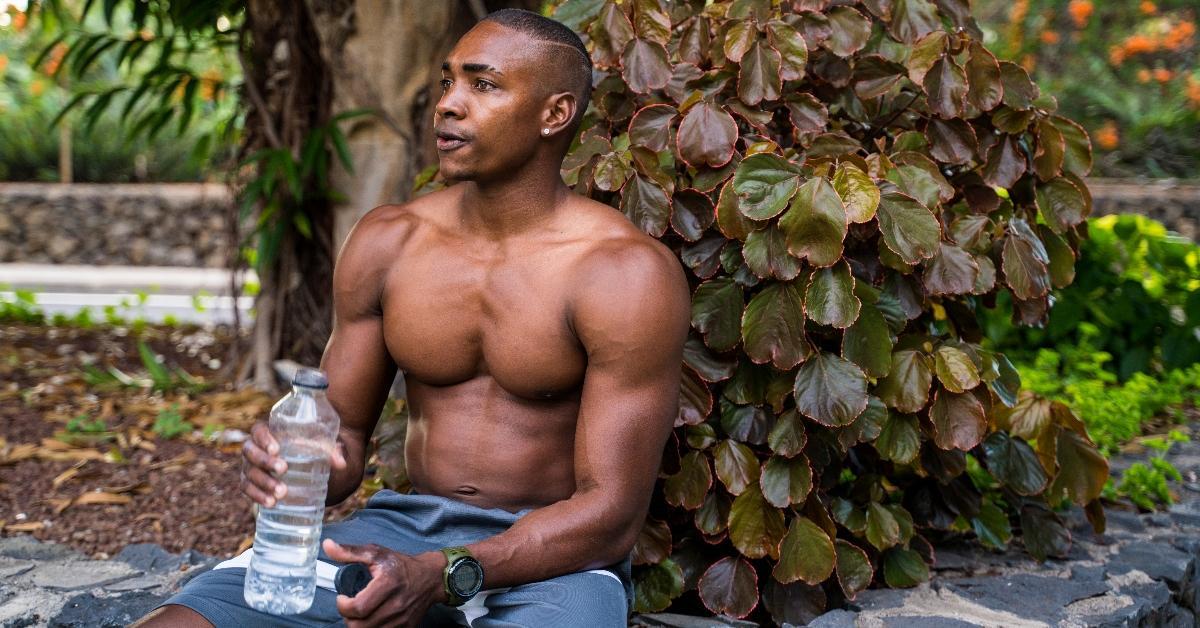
199, 295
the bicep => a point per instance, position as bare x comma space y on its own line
634, 338
356, 358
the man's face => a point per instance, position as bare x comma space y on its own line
489, 116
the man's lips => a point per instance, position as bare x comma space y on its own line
449, 141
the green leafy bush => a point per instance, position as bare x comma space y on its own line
170, 424
847, 185
1136, 297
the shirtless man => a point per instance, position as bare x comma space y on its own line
540, 334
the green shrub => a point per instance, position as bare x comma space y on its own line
170, 424
846, 185
1136, 297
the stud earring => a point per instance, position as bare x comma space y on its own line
545, 131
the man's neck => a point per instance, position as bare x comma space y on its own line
511, 205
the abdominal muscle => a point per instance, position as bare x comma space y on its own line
477, 443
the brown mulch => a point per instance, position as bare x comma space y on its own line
126, 484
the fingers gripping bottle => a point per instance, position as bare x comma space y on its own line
281, 579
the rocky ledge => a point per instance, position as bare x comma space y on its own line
1143, 571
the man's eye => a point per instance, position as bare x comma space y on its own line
445, 83
483, 85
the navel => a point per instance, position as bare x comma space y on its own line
466, 490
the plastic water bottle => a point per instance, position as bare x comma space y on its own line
281, 579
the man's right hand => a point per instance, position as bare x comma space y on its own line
262, 466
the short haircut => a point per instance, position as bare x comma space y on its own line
578, 71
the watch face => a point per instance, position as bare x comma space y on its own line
466, 577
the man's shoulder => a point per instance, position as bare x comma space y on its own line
389, 227
615, 246
621, 261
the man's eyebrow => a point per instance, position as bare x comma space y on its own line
474, 68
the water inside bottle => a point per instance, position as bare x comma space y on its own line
281, 579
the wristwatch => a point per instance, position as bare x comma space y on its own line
463, 576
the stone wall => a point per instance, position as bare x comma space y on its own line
1174, 204
184, 224
127, 224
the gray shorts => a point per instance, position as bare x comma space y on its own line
413, 524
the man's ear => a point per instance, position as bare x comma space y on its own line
560, 111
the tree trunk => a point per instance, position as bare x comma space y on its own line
381, 56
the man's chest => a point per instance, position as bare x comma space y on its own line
450, 317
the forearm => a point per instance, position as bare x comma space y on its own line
584, 532
345, 481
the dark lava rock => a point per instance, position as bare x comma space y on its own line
1026, 595
151, 558
910, 621
1157, 560
89, 611
28, 548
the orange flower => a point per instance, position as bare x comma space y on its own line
1081, 11
1107, 136
1162, 75
52, 66
1143, 75
1116, 55
1019, 10
1180, 36
1137, 44
3, 63
1193, 91
1049, 37
1147, 7
36, 87
18, 21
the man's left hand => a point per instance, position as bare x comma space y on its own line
401, 590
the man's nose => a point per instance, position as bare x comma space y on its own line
449, 105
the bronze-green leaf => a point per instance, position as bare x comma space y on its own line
806, 554
706, 136
786, 481
766, 254
1062, 204
857, 191
1013, 462
830, 298
787, 437
955, 369
653, 543
713, 515
695, 400
764, 183
830, 390
691, 213
758, 76
739, 38
883, 531
909, 229
1078, 157
868, 343
900, 439
958, 420
851, 30
688, 488
717, 312
1082, 469
646, 205
946, 85
904, 567
983, 73
951, 141
792, 48
906, 386
854, 571
736, 465
645, 66
913, 19
1025, 262
1043, 532
773, 326
755, 526
1019, 90
951, 271
651, 127
656, 586
1005, 163
808, 114
730, 587
815, 224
